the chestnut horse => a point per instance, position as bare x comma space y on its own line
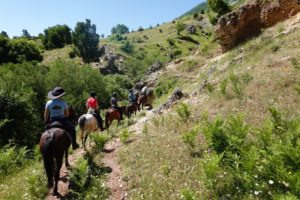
54, 143
114, 114
87, 124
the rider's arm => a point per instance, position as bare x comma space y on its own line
46, 115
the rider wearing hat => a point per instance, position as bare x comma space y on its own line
56, 109
92, 106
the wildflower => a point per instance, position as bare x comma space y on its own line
271, 182
285, 184
256, 192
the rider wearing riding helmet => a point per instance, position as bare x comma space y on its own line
56, 109
92, 106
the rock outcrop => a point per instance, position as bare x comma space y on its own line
111, 63
176, 95
249, 19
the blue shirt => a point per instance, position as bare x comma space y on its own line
56, 107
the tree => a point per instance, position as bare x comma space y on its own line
4, 34
57, 37
120, 29
180, 26
4, 49
86, 40
218, 6
26, 34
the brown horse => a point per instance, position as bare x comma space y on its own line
142, 100
114, 114
54, 143
132, 108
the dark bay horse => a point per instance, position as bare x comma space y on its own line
132, 108
142, 100
54, 143
114, 114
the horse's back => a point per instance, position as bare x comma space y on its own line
56, 136
90, 122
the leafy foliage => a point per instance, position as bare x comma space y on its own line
57, 37
119, 29
184, 111
180, 26
218, 6
86, 40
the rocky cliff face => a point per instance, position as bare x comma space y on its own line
249, 19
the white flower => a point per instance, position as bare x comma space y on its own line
256, 192
271, 182
285, 184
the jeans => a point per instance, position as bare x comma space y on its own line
67, 125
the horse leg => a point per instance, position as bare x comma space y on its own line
85, 138
66, 158
81, 135
56, 176
49, 164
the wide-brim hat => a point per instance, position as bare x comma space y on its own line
56, 93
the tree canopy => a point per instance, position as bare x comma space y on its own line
86, 40
218, 6
120, 29
57, 37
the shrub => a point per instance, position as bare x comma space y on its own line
4, 50
100, 140
188, 194
183, 111
11, 158
164, 87
124, 136
127, 47
120, 29
140, 29
22, 50
180, 26
223, 86
171, 41
218, 6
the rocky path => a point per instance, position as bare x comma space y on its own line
64, 181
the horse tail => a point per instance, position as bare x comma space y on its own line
81, 122
48, 157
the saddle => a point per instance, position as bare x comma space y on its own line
54, 124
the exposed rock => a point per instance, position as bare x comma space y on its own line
191, 29
111, 63
249, 19
176, 95
155, 67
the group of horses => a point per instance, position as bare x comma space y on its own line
55, 141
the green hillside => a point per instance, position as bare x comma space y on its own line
235, 133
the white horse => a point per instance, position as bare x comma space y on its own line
87, 124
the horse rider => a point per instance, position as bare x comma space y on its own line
144, 91
131, 97
114, 103
92, 105
56, 109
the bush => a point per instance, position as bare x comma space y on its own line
4, 50
12, 158
180, 26
183, 111
117, 37
22, 50
127, 47
100, 140
119, 29
125, 134
164, 87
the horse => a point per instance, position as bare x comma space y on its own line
87, 124
114, 114
131, 108
54, 143
142, 100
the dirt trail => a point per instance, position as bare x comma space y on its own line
114, 180
64, 181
